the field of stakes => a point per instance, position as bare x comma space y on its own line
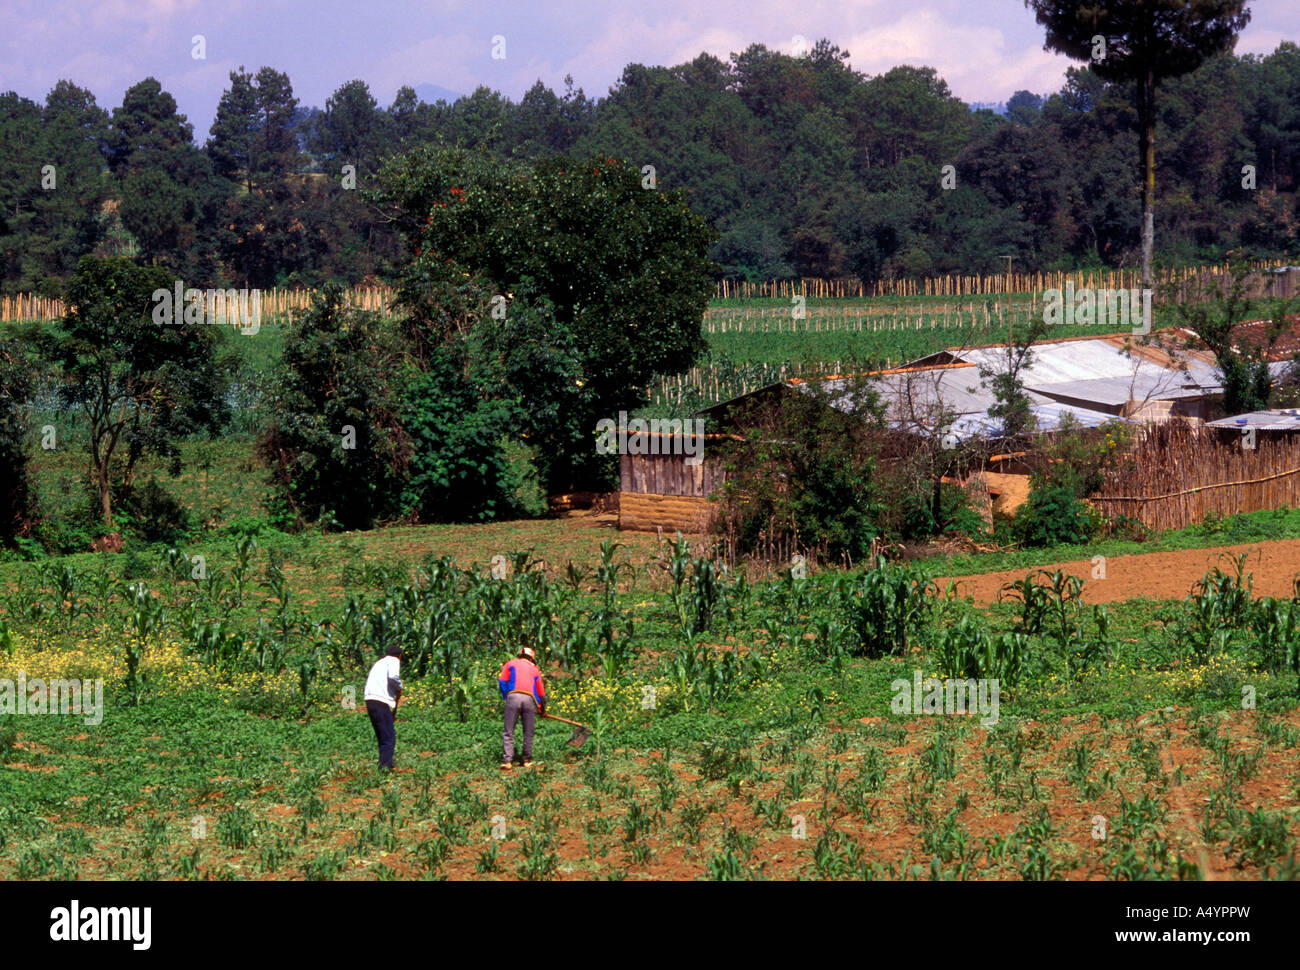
755, 341
741, 728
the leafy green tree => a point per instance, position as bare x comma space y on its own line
1024, 108
335, 442
254, 136
15, 388
1273, 114
622, 267
146, 129
20, 187
169, 195
140, 386
911, 112
351, 130
1144, 42
73, 130
459, 470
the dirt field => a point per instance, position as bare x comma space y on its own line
1157, 575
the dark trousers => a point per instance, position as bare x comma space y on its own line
519, 707
381, 718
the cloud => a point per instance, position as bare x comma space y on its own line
978, 61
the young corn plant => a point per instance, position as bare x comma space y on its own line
885, 608
146, 619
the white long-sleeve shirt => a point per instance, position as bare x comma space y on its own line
384, 681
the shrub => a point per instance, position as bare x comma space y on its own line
151, 513
1053, 515
334, 441
459, 471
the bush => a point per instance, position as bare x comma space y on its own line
333, 440
886, 608
151, 513
460, 471
957, 514
804, 477
1053, 515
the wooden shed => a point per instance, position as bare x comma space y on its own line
667, 491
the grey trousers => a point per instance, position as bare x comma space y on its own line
519, 707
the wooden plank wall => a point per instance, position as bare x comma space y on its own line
665, 492
667, 475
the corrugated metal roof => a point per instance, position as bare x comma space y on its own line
1163, 385
1047, 415
1107, 371
1273, 420
1070, 361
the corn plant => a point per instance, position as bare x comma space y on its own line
66, 586
1217, 606
146, 618
885, 608
697, 590
1276, 627
464, 690
245, 546
967, 649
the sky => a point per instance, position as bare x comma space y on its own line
985, 49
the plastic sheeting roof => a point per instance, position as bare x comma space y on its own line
1273, 420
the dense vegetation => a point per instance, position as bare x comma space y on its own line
802, 165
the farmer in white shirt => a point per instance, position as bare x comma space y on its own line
383, 692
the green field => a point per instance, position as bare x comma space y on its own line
742, 729
744, 724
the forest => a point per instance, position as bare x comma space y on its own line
802, 166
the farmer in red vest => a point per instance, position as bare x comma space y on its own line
525, 697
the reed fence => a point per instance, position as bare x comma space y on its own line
1177, 473
982, 285
274, 303
29, 306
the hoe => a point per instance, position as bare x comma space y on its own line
580, 734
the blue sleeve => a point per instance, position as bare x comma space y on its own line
508, 684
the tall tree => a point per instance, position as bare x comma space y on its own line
351, 129
169, 195
254, 136
140, 386
67, 207
623, 267
1142, 42
20, 184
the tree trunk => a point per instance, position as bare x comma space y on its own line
1147, 146
105, 498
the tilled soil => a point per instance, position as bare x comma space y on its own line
1157, 575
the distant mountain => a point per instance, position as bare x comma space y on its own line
431, 93
997, 107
